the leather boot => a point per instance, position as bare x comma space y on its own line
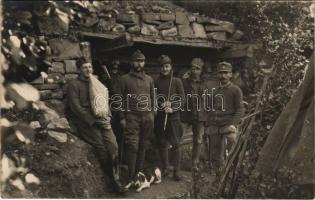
177, 159
140, 159
131, 162
114, 175
195, 156
164, 162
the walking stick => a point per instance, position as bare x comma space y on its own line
168, 98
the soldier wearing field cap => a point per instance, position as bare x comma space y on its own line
170, 94
195, 112
137, 114
224, 117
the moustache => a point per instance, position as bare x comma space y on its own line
139, 69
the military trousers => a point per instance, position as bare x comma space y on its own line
103, 140
198, 129
220, 140
137, 135
172, 134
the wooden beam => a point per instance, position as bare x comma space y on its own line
183, 43
241, 50
195, 43
119, 42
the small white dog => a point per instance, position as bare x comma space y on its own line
142, 181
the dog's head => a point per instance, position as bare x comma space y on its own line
139, 179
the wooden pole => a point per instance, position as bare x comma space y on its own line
168, 98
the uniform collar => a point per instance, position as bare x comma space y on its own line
137, 74
82, 78
228, 84
195, 80
165, 77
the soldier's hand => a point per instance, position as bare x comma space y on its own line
232, 128
103, 124
168, 110
166, 104
123, 123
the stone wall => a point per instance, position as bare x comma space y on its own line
50, 31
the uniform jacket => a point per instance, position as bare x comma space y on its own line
177, 95
78, 102
137, 90
196, 110
227, 107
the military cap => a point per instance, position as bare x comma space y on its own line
82, 61
224, 67
164, 59
138, 55
197, 62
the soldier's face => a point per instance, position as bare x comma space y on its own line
225, 76
86, 70
114, 69
195, 71
166, 69
138, 65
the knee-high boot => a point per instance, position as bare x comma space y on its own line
177, 159
140, 159
195, 155
164, 161
114, 175
131, 162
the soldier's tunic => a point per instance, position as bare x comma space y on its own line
137, 90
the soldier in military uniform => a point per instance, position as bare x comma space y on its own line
195, 112
171, 107
94, 130
225, 115
137, 116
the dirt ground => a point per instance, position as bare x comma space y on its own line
71, 170
170, 189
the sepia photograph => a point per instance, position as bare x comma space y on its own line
157, 99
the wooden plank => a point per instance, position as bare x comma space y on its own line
184, 43
157, 41
241, 50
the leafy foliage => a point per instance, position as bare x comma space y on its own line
284, 31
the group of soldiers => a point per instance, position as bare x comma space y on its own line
138, 120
